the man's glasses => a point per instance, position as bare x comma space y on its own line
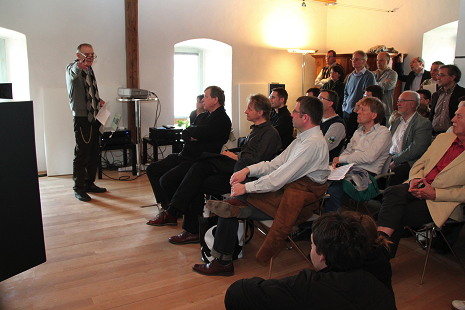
89, 56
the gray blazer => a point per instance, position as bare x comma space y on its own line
416, 140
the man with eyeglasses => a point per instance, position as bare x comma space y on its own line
85, 102
411, 136
446, 100
356, 83
432, 83
323, 77
287, 189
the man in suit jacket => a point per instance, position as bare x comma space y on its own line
411, 136
435, 189
418, 74
446, 100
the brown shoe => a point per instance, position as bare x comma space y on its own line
184, 238
225, 208
163, 219
215, 268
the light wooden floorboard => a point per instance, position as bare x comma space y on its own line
101, 255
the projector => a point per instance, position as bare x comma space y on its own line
133, 93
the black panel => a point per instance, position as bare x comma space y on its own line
21, 232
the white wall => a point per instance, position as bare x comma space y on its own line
259, 32
53, 30
352, 29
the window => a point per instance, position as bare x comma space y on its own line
187, 77
3, 72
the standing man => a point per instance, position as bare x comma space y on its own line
411, 136
386, 78
281, 117
324, 77
432, 83
288, 189
418, 74
209, 133
85, 102
446, 100
355, 86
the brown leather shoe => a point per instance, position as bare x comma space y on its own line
225, 208
214, 269
184, 238
163, 219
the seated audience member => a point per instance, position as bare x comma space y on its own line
376, 91
377, 261
461, 104
314, 91
368, 149
336, 83
386, 78
339, 248
436, 186
425, 100
446, 100
432, 83
263, 143
324, 76
209, 133
411, 137
198, 110
288, 189
281, 117
418, 74
356, 83
332, 125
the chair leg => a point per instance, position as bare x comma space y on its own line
430, 240
299, 250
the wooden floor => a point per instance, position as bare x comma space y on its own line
101, 255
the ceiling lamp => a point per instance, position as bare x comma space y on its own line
334, 3
303, 4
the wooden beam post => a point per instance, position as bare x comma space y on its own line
132, 58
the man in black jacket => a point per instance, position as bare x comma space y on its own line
208, 134
211, 173
446, 100
418, 74
339, 249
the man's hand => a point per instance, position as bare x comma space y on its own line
237, 189
335, 161
392, 165
230, 155
239, 176
420, 189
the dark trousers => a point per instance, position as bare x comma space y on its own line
166, 175
206, 176
336, 197
399, 209
401, 173
86, 152
226, 233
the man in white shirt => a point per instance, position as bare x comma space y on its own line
411, 136
418, 74
288, 188
368, 149
432, 83
324, 77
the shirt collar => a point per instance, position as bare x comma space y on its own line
307, 133
360, 72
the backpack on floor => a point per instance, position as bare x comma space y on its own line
207, 231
